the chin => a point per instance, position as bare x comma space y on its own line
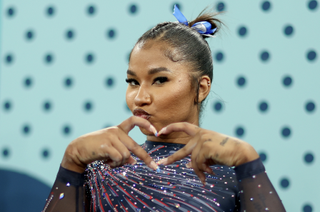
144, 131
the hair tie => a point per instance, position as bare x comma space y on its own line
203, 27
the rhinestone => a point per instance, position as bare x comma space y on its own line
61, 196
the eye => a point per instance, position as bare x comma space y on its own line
132, 82
160, 80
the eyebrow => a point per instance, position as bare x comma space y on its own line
151, 71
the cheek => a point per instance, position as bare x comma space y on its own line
130, 95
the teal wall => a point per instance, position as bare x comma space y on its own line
266, 86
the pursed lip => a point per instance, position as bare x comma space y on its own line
141, 113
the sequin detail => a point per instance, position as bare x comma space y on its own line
61, 196
169, 188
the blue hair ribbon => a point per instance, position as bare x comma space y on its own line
203, 27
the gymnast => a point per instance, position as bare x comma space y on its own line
180, 166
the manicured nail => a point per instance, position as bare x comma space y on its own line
134, 162
163, 161
158, 169
152, 129
156, 134
189, 165
153, 165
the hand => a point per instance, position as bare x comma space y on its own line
208, 148
110, 144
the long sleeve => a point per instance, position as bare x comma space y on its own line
256, 191
67, 193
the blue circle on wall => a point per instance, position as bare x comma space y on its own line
239, 131
109, 82
242, 31
48, 58
311, 55
47, 106
88, 106
69, 34
26, 129
91, 10
217, 106
307, 208
241, 81
5, 152
68, 82
263, 156
45, 153
263, 106
28, 82
10, 12
111, 33
221, 6
312, 5
284, 183
90, 58
264, 56
287, 81
50, 11
29, 35
285, 132
308, 157
7, 105
66, 130
266, 6
9, 58
133, 9
219, 56
310, 106
288, 30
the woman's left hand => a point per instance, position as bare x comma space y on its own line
208, 148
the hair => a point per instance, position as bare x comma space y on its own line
186, 45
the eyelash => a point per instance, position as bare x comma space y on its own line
160, 79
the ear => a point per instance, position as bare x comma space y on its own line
204, 87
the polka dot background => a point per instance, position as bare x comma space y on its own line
62, 74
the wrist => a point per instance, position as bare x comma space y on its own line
246, 154
71, 160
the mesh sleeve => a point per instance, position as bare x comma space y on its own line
68, 193
256, 191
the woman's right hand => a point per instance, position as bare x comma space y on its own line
113, 145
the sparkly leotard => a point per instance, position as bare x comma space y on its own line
173, 188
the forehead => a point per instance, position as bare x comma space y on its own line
151, 55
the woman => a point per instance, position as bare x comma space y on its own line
169, 77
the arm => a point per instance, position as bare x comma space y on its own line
256, 191
210, 148
67, 193
113, 145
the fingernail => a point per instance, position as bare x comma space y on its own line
153, 165
156, 134
153, 129
158, 169
134, 162
163, 161
188, 165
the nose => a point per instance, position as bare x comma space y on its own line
143, 97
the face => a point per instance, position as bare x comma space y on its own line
159, 89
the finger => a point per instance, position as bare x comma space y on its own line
186, 127
128, 124
137, 150
123, 150
198, 168
181, 153
199, 173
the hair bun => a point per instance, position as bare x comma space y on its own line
208, 17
